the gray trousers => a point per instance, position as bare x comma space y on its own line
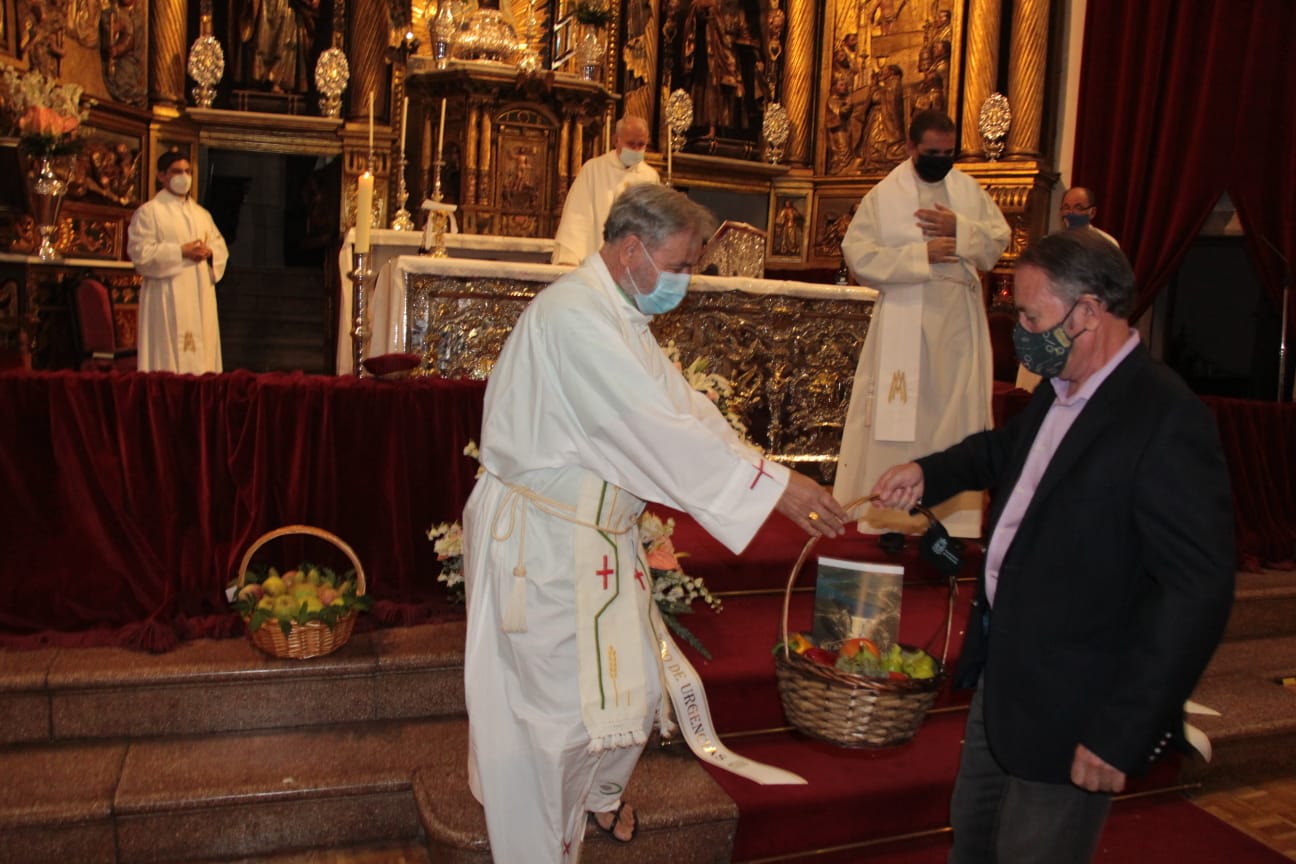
1000, 819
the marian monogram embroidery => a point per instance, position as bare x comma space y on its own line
187, 342
898, 388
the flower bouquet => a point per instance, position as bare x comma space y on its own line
447, 538
710, 384
673, 590
45, 114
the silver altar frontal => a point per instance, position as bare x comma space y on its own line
788, 348
385, 290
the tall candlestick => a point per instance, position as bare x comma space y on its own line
441, 130
404, 123
370, 124
364, 212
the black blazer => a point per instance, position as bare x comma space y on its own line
1118, 584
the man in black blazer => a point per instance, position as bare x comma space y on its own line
1109, 571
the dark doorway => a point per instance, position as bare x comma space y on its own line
278, 213
1222, 328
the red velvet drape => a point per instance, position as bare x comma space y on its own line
128, 500
1180, 102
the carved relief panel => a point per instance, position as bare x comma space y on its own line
889, 59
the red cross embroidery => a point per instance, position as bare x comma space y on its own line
760, 472
605, 572
639, 578
566, 848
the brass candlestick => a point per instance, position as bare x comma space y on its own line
402, 221
359, 276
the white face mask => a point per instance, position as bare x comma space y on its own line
630, 158
180, 183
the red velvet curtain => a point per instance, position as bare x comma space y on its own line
1262, 182
130, 499
1180, 102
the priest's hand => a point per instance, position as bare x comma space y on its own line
941, 249
811, 506
195, 250
899, 488
1090, 772
940, 222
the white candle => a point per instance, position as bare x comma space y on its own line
441, 130
370, 122
364, 212
404, 124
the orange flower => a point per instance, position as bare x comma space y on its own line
47, 123
662, 555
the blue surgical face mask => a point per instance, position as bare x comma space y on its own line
1045, 353
1076, 220
668, 291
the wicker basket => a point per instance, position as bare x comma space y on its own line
314, 638
853, 710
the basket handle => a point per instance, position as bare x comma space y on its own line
313, 532
814, 541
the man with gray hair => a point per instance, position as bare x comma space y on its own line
1109, 573
600, 180
586, 420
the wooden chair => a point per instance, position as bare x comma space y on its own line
96, 331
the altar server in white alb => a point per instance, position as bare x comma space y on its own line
586, 420
177, 248
599, 181
920, 237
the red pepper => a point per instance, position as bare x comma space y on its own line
820, 655
897, 676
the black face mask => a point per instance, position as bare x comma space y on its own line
933, 168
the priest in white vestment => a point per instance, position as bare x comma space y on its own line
586, 420
176, 247
923, 383
599, 181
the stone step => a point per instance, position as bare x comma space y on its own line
215, 797
685, 817
1254, 738
227, 685
1264, 604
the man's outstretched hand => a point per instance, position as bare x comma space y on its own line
812, 507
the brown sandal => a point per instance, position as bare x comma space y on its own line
610, 830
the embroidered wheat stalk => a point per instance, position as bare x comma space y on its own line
612, 674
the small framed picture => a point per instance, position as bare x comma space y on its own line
9, 29
788, 228
833, 215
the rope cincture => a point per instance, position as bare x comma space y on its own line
515, 609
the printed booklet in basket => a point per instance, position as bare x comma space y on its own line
857, 599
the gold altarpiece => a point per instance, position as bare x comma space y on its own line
846, 75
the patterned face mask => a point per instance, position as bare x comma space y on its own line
1045, 353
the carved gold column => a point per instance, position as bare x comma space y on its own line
796, 94
980, 70
368, 58
167, 52
470, 149
1029, 51
564, 147
577, 147
484, 158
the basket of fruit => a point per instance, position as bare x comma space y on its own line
856, 695
303, 612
